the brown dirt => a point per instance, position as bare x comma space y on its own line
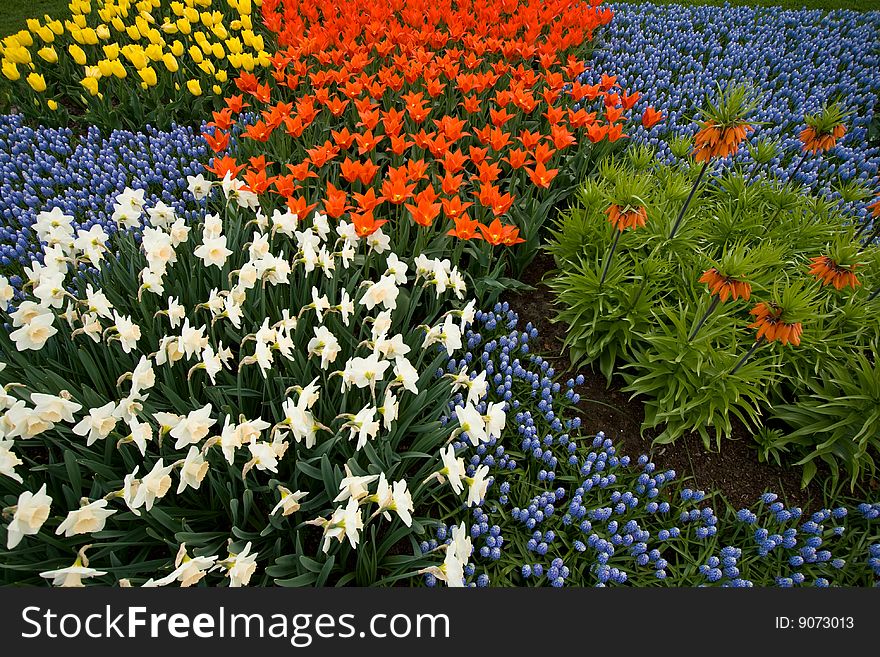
734, 471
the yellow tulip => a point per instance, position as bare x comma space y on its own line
177, 48
111, 50
52, 105
195, 54
207, 18
246, 23
89, 36
206, 48
103, 32
183, 25
46, 34
170, 62
217, 51
217, 89
234, 59
32, 24
37, 82
244, 7
10, 70
169, 28
199, 37
264, 58
78, 54
207, 66
48, 54
118, 24
234, 45
221, 75
18, 55
142, 25
57, 27
247, 62
194, 87
137, 58
91, 85
219, 31
191, 14
148, 75
154, 52
177, 8
106, 67
24, 38
79, 20
133, 33
118, 69
257, 42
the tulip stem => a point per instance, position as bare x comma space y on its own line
610, 256
711, 309
688, 201
747, 355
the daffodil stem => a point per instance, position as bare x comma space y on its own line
610, 256
711, 309
690, 197
747, 355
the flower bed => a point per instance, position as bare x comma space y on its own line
797, 59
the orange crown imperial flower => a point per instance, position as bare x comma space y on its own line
628, 217
874, 207
771, 327
829, 272
815, 141
725, 286
715, 140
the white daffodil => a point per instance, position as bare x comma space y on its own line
213, 251
396, 268
478, 485
379, 242
453, 469
161, 216
392, 348
406, 374
193, 428
143, 377
72, 576
179, 232
213, 226
187, 570
192, 470
324, 345
395, 498
54, 409
34, 333
495, 419
354, 487
364, 426
88, 519
364, 372
176, 313
192, 340
241, 567
472, 423
263, 457
198, 186
127, 332
389, 409
346, 522
29, 514
141, 434
384, 292
289, 502
154, 485
22, 421
98, 303
98, 424
320, 304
